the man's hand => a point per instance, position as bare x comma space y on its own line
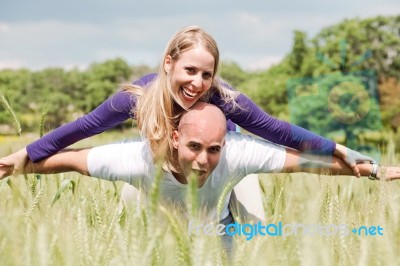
13, 164
389, 173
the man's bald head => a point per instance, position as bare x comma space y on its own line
204, 114
199, 141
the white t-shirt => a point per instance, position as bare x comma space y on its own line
131, 161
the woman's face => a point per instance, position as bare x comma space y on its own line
191, 75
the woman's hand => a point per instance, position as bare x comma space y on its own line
351, 158
13, 164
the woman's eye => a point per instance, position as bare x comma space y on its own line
207, 75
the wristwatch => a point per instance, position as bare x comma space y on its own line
374, 172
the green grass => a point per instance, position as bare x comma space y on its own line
68, 219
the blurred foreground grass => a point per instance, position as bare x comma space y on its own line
84, 227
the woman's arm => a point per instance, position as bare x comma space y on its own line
252, 118
112, 112
109, 114
255, 120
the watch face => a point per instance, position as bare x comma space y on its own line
348, 102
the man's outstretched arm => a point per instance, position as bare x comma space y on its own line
126, 161
63, 161
332, 165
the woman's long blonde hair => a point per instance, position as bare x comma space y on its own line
158, 109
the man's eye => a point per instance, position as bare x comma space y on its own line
195, 147
215, 150
190, 69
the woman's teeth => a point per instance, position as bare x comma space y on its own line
188, 93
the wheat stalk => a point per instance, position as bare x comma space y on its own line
184, 257
155, 189
33, 204
43, 118
192, 197
6, 105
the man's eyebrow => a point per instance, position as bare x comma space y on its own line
216, 146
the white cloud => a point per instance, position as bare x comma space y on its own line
11, 64
246, 17
386, 9
264, 63
4, 28
47, 32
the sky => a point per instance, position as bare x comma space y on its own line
255, 34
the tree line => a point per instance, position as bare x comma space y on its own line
323, 82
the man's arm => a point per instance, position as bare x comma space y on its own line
332, 165
63, 161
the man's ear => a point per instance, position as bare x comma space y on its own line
167, 63
175, 139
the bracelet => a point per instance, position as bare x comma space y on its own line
374, 172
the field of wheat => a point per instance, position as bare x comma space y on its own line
69, 219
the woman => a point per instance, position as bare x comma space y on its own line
187, 74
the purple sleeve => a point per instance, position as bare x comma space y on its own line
255, 120
145, 80
110, 113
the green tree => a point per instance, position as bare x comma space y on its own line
233, 73
104, 79
356, 44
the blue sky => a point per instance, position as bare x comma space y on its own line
255, 34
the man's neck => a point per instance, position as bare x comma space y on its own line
170, 167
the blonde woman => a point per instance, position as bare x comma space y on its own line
187, 74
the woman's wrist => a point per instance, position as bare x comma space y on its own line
375, 169
340, 151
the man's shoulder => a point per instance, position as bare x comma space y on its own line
244, 143
253, 154
236, 142
125, 149
121, 160
234, 137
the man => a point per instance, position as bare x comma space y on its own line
203, 149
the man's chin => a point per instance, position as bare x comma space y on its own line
200, 176
202, 179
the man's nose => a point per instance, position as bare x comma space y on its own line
202, 158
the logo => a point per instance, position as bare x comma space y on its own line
342, 105
249, 231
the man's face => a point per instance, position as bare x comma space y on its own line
198, 149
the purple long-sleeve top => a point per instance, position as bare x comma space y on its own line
119, 106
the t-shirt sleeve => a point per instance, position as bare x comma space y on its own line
112, 112
251, 155
126, 161
252, 118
